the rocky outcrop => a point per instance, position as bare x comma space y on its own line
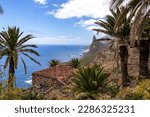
96, 46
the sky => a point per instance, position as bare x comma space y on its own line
61, 22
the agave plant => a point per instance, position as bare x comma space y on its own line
75, 63
88, 82
53, 63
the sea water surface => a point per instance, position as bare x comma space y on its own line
63, 53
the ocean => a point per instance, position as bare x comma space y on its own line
63, 53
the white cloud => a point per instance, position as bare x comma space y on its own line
85, 23
80, 8
88, 24
42, 2
92, 27
62, 39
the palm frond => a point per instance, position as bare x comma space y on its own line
24, 39
24, 64
35, 61
138, 26
29, 51
12, 44
116, 3
27, 46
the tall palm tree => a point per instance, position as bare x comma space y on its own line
1, 10
144, 51
141, 11
122, 35
12, 46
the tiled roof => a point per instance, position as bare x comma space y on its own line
60, 71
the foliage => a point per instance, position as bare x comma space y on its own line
107, 26
75, 63
53, 63
144, 89
9, 94
88, 82
140, 92
32, 95
140, 10
12, 46
114, 90
17, 93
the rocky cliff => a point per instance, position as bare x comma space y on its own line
96, 46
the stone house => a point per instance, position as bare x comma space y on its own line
54, 77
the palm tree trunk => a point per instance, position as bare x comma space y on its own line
124, 65
144, 57
11, 74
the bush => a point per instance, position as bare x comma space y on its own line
140, 92
11, 94
144, 89
74, 63
53, 63
114, 90
89, 82
32, 95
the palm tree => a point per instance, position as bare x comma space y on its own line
141, 11
74, 63
122, 36
12, 46
53, 63
1, 10
144, 51
89, 82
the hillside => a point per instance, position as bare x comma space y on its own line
102, 55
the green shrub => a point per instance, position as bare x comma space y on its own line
144, 89
139, 92
53, 63
11, 94
89, 82
114, 90
32, 95
74, 63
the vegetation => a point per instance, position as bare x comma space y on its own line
12, 47
127, 27
74, 63
89, 82
140, 92
140, 10
53, 63
31, 95
120, 41
18, 94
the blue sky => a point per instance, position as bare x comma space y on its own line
66, 22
